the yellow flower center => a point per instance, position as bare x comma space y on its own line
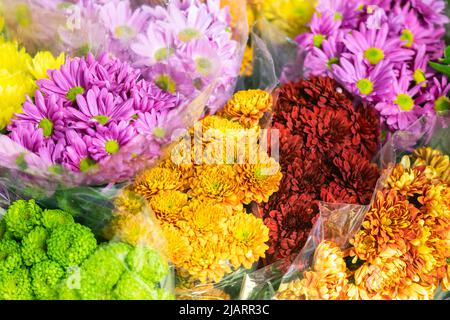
318, 39
112, 146
203, 65
159, 132
124, 32
163, 54
72, 93
188, 34
405, 102
442, 104
101, 119
166, 83
408, 37
47, 127
419, 77
365, 86
374, 55
86, 164
331, 61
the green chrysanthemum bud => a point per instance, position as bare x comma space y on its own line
54, 218
34, 246
45, 279
22, 216
148, 264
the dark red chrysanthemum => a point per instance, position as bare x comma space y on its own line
326, 145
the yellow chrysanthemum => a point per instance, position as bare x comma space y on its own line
208, 262
217, 183
206, 219
249, 237
136, 229
18, 74
158, 179
129, 202
384, 276
436, 160
178, 245
15, 81
260, 180
326, 281
291, 16
407, 181
168, 205
248, 107
44, 61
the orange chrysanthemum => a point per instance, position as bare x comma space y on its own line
392, 221
152, 181
217, 183
248, 107
168, 205
260, 180
326, 281
248, 242
407, 181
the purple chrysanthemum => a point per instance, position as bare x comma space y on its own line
322, 27
124, 24
344, 10
77, 156
71, 79
27, 136
107, 140
371, 85
99, 107
44, 113
432, 11
375, 45
147, 96
158, 126
399, 108
436, 98
320, 60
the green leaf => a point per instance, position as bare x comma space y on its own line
446, 59
441, 68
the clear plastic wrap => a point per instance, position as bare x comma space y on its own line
47, 255
326, 252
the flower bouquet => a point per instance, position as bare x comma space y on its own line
98, 120
202, 197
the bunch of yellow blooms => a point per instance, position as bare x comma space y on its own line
402, 250
18, 75
200, 204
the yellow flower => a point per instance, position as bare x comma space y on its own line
129, 202
260, 180
408, 181
217, 183
157, 179
136, 229
15, 81
326, 281
247, 62
291, 16
249, 237
206, 218
178, 245
384, 276
168, 205
2, 23
248, 107
44, 61
435, 160
18, 73
207, 262
392, 221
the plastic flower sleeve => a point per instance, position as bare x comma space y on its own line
53, 256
